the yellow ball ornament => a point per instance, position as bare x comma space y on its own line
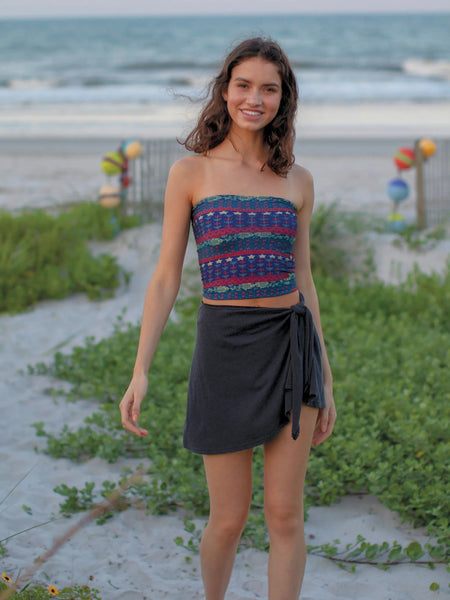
113, 163
133, 150
109, 196
427, 146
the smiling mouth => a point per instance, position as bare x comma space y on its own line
251, 113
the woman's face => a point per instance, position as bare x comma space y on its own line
253, 95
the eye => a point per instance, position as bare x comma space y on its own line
242, 85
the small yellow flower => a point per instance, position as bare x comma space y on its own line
6, 578
53, 590
419, 454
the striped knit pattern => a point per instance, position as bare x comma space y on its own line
244, 246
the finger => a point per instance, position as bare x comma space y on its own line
320, 437
130, 423
324, 419
130, 415
134, 428
325, 425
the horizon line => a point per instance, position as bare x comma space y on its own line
201, 14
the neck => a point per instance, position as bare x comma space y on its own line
249, 146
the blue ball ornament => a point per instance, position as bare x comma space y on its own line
398, 190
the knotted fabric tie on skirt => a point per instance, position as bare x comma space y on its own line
252, 369
307, 383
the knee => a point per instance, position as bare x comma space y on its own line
283, 520
228, 528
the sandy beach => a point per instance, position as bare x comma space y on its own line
133, 556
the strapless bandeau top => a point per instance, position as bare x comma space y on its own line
245, 245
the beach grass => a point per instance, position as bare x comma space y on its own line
47, 257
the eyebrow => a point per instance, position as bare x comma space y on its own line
274, 83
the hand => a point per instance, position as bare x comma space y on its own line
326, 418
131, 403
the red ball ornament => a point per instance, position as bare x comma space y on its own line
404, 158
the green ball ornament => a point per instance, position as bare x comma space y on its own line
113, 163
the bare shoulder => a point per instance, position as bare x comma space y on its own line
184, 174
301, 175
303, 184
187, 165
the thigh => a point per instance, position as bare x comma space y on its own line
229, 479
286, 460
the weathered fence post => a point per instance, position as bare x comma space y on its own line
420, 195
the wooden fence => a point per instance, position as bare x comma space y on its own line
433, 186
145, 197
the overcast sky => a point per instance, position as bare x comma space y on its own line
48, 8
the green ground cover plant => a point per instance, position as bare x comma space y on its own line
389, 347
47, 257
39, 592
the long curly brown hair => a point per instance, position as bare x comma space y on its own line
214, 121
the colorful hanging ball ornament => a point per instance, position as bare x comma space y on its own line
427, 146
113, 163
398, 190
404, 158
109, 196
396, 222
132, 149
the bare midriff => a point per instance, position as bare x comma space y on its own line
284, 301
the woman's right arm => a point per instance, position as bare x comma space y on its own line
162, 289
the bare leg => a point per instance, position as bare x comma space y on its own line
285, 463
229, 478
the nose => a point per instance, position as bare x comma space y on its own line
254, 98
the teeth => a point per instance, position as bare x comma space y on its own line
251, 112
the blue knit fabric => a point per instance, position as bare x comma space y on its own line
244, 246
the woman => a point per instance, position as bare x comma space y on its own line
260, 361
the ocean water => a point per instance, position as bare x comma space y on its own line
95, 75
340, 58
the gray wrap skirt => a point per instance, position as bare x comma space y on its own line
252, 369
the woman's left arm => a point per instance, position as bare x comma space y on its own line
305, 284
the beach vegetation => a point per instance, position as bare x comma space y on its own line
389, 347
382, 555
53, 590
414, 238
45, 256
40, 592
22, 589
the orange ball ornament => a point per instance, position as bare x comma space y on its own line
427, 146
133, 149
